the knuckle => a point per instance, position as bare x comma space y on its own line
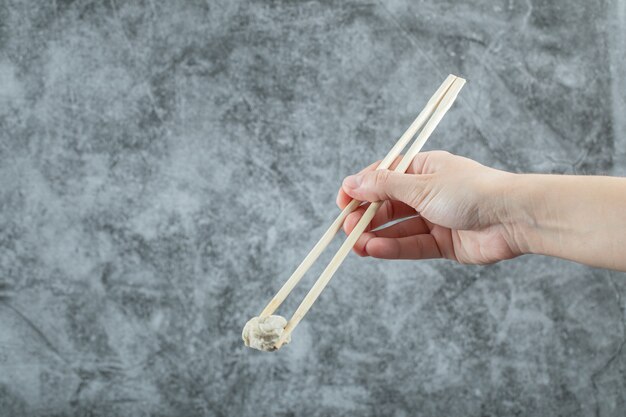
436, 160
415, 199
418, 195
441, 153
439, 158
381, 178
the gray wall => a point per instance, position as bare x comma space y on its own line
164, 166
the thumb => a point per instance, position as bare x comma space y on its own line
385, 185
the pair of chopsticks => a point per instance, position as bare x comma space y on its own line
429, 117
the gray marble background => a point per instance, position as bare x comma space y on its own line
164, 166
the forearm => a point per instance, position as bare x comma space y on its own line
581, 218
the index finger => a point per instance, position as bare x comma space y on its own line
343, 199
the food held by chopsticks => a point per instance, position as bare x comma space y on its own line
269, 332
262, 333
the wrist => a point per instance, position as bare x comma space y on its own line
579, 218
523, 212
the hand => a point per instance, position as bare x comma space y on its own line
458, 209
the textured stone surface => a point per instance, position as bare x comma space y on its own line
165, 165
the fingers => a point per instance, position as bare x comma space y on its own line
389, 210
376, 185
373, 185
344, 199
402, 194
430, 162
410, 227
359, 246
386, 185
422, 246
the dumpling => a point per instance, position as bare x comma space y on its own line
263, 333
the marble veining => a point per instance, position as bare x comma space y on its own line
164, 166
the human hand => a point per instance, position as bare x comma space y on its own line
458, 208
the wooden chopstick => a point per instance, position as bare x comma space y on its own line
347, 245
327, 237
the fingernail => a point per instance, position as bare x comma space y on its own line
352, 182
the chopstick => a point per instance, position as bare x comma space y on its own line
347, 245
327, 237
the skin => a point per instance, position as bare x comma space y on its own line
456, 208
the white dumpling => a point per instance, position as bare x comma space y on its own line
263, 333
